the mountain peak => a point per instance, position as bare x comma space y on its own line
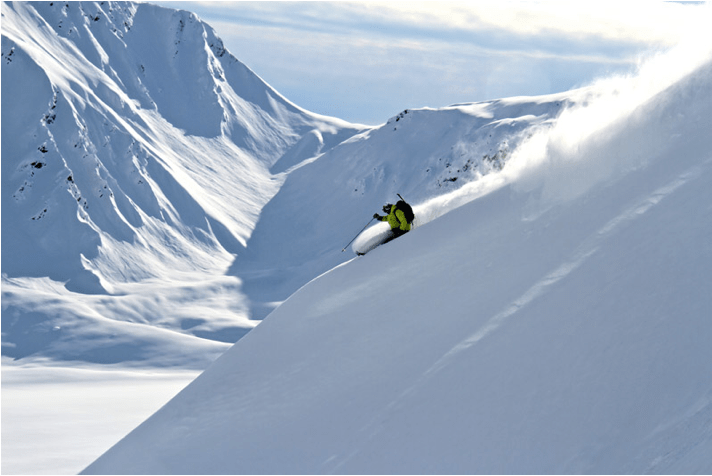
135, 148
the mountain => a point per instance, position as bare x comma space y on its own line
552, 317
420, 154
159, 199
137, 155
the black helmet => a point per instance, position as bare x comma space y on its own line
387, 208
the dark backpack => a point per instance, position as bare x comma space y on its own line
406, 209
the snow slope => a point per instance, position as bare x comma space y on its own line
554, 318
136, 157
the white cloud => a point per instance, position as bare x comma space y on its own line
634, 21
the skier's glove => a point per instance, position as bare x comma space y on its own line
376, 215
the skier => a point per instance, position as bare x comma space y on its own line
399, 216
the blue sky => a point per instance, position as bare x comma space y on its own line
364, 62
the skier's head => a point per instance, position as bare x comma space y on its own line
387, 208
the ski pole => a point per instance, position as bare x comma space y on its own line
347, 244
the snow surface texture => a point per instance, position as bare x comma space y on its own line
556, 321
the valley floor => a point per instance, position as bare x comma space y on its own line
57, 420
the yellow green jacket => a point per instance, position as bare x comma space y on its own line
396, 218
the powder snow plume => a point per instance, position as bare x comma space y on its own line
604, 132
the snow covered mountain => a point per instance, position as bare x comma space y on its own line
159, 198
557, 319
419, 154
136, 157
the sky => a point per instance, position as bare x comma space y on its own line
365, 62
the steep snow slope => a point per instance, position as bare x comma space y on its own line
557, 322
136, 156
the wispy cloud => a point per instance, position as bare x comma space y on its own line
499, 24
650, 21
